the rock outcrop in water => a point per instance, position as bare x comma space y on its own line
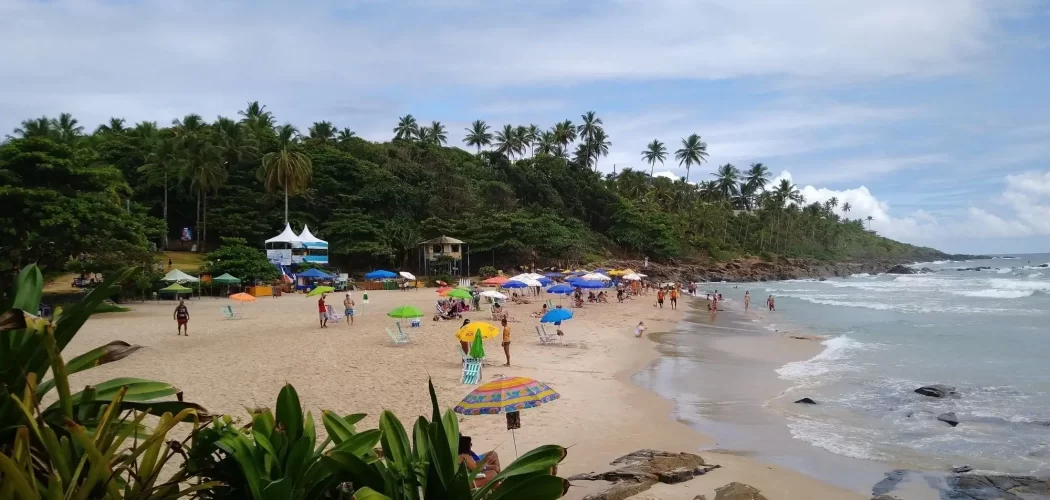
936, 390
949, 418
899, 269
806, 401
640, 470
965, 486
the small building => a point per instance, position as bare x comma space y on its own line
444, 255
280, 248
315, 250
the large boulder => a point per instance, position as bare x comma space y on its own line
899, 269
638, 471
738, 491
936, 390
806, 401
978, 487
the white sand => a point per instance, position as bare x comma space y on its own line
227, 365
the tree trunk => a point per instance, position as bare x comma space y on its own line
166, 228
204, 239
197, 226
286, 205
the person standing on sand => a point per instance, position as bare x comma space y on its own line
323, 313
747, 299
348, 309
169, 262
660, 298
771, 303
182, 318
506, 339
674, 298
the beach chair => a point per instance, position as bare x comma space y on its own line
471, 371
399, 338
544, 338
230, 313
333, 315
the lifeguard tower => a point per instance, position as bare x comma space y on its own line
444, 255
315, 250
281, 249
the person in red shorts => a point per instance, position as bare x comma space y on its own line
182, 318
322, 311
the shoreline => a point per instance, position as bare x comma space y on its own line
227, 365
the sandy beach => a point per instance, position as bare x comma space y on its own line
227, 365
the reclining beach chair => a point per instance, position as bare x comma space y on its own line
471, 371
399, 338
229, 312
544, 338
333, 315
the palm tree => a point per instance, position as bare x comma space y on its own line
346, 134
406, 128
693, 152
833, 202
37, 127
755, 179
504, 141
590, 126
564, 134
533, 137
256, 118
584, 154
846, 207
163, 161
67, 127
202, 164
439, 133
478, 135
235, 142
425, 135
521, 140
286, 168
654, 152
726, 180
322, 132
599, 145
115, 126
785, 192
546, 144
870, 218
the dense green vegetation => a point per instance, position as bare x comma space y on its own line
533, 197
98, 444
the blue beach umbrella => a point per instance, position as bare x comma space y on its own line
556, 316
588, 284
554, 275
561, 289
545, 281
514, 284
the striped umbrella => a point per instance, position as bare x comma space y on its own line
506, 395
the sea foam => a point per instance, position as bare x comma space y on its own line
835, 350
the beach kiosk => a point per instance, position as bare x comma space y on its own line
315, 250
285, 248
444, 255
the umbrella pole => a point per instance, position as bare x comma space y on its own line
515, 441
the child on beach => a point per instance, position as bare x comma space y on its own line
640, 329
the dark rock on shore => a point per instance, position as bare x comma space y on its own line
806, 401
926, 270
899, 269
949, 418
738, 491
936, 390
962, 469
640, 470
977, 487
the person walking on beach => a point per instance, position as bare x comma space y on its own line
506, 339
169, 262
771, 303
660, 298
747, 299
674, 298
348, 309
322, 311
182, 318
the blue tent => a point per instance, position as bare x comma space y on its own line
588, 284
313, 273
380, 274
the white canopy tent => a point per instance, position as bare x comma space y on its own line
595, 277
307, 237
178, 276
287, 236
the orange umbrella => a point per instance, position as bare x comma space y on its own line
443, 289
242, 297
496, 280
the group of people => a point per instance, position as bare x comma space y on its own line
670, 293
348, 310
771, 303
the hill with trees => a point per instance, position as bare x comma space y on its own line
517, 194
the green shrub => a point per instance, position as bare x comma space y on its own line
487, 272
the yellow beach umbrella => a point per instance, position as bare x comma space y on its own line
467, 333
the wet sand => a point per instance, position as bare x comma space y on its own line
227, 365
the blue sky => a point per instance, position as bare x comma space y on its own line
931, 116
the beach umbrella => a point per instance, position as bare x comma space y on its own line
595, 277
588, 284
405, 312
561, 289
544, 281
407, 275
318, 290
380, 274
506, 395
554, 275
242, 297
443, 289
514, 284
632, 277
556, 316
225, 279
458, 293
496, 280
470, 330
477, 347
492, 294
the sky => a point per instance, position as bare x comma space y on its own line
931, 116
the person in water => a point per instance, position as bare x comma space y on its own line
771, 303
747, 299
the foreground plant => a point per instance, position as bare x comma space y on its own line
89, 444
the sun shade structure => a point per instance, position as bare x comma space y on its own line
313, 273
407, 275
175, 288
285, 248
178, 276
226, 279
405, 312
380, 274
314, 249
496, 280
506, 395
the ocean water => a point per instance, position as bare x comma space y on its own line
985, 332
